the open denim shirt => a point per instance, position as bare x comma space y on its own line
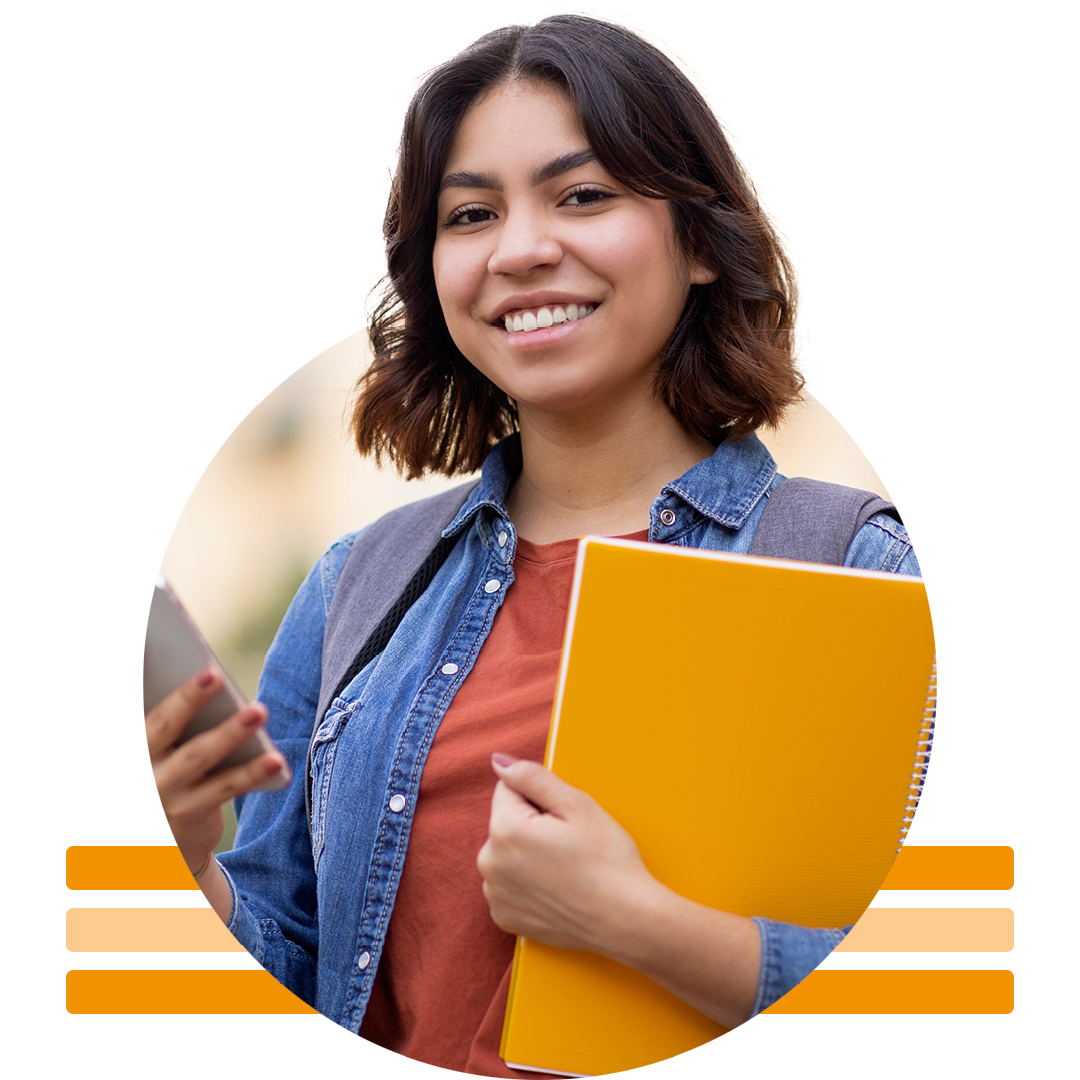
313, 908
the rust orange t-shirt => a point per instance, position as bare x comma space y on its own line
441, 988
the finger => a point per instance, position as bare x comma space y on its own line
166, 721
539, 786
197, 757
509, 806
226, 785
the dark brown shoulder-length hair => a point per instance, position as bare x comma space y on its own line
728, 368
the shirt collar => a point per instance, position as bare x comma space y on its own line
728, 485
724, 487
499, 472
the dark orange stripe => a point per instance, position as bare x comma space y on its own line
142, 992
236, 992
952, 868
900, 992
127, 868
915, 868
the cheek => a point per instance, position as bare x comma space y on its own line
644, 261
456, 293
455, 285
444, 279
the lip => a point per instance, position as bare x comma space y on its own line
525, 301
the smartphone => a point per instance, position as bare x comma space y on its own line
176, 650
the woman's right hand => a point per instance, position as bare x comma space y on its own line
191, 797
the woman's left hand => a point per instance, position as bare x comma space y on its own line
559, 869
556, 866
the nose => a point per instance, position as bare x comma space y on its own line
525, 241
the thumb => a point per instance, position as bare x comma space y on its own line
538, 785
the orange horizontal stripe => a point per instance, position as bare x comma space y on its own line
237, 992
148, 930
144, 992
915, 868
931, 930
951, 868
900, 992
127, 868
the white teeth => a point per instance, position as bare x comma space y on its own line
544, 317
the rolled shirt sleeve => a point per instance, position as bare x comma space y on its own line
788, 954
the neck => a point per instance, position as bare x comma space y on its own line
600, 477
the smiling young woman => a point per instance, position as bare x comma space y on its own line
533, 229
585, 300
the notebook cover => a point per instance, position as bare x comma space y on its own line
753, 724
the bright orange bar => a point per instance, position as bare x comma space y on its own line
148, 930
900, 992
179, 992
915, 868
237, 992
951, 868
127, 868
931, 930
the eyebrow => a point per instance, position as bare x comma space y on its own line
553, 168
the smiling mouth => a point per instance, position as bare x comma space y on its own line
522, 322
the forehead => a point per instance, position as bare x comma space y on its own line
515, 123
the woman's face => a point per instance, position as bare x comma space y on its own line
557, 282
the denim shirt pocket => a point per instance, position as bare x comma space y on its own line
324, 746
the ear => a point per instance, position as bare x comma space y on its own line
702, 275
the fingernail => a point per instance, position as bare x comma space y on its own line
503, 760
251, 717
204, 678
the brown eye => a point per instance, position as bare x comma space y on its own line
586, 197
469, 215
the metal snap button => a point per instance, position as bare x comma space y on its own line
502, 539
363, 960
449, 669
667, 517
493, 586
397, 803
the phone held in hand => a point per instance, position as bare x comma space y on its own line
176, 650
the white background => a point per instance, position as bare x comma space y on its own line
192, 207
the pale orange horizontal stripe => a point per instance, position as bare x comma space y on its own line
900, 992
200, 930
148, 930
931, 930
127, 868
951, 868
141, 992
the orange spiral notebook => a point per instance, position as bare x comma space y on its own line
760, 728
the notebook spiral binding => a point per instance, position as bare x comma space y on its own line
922, 754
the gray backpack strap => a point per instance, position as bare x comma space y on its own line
391, 563
812, 521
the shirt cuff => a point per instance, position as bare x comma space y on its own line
788, 954
242, 924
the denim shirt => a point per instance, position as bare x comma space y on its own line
313, 908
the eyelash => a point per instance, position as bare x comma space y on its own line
458, 216
589, 189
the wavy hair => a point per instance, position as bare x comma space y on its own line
729, 366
